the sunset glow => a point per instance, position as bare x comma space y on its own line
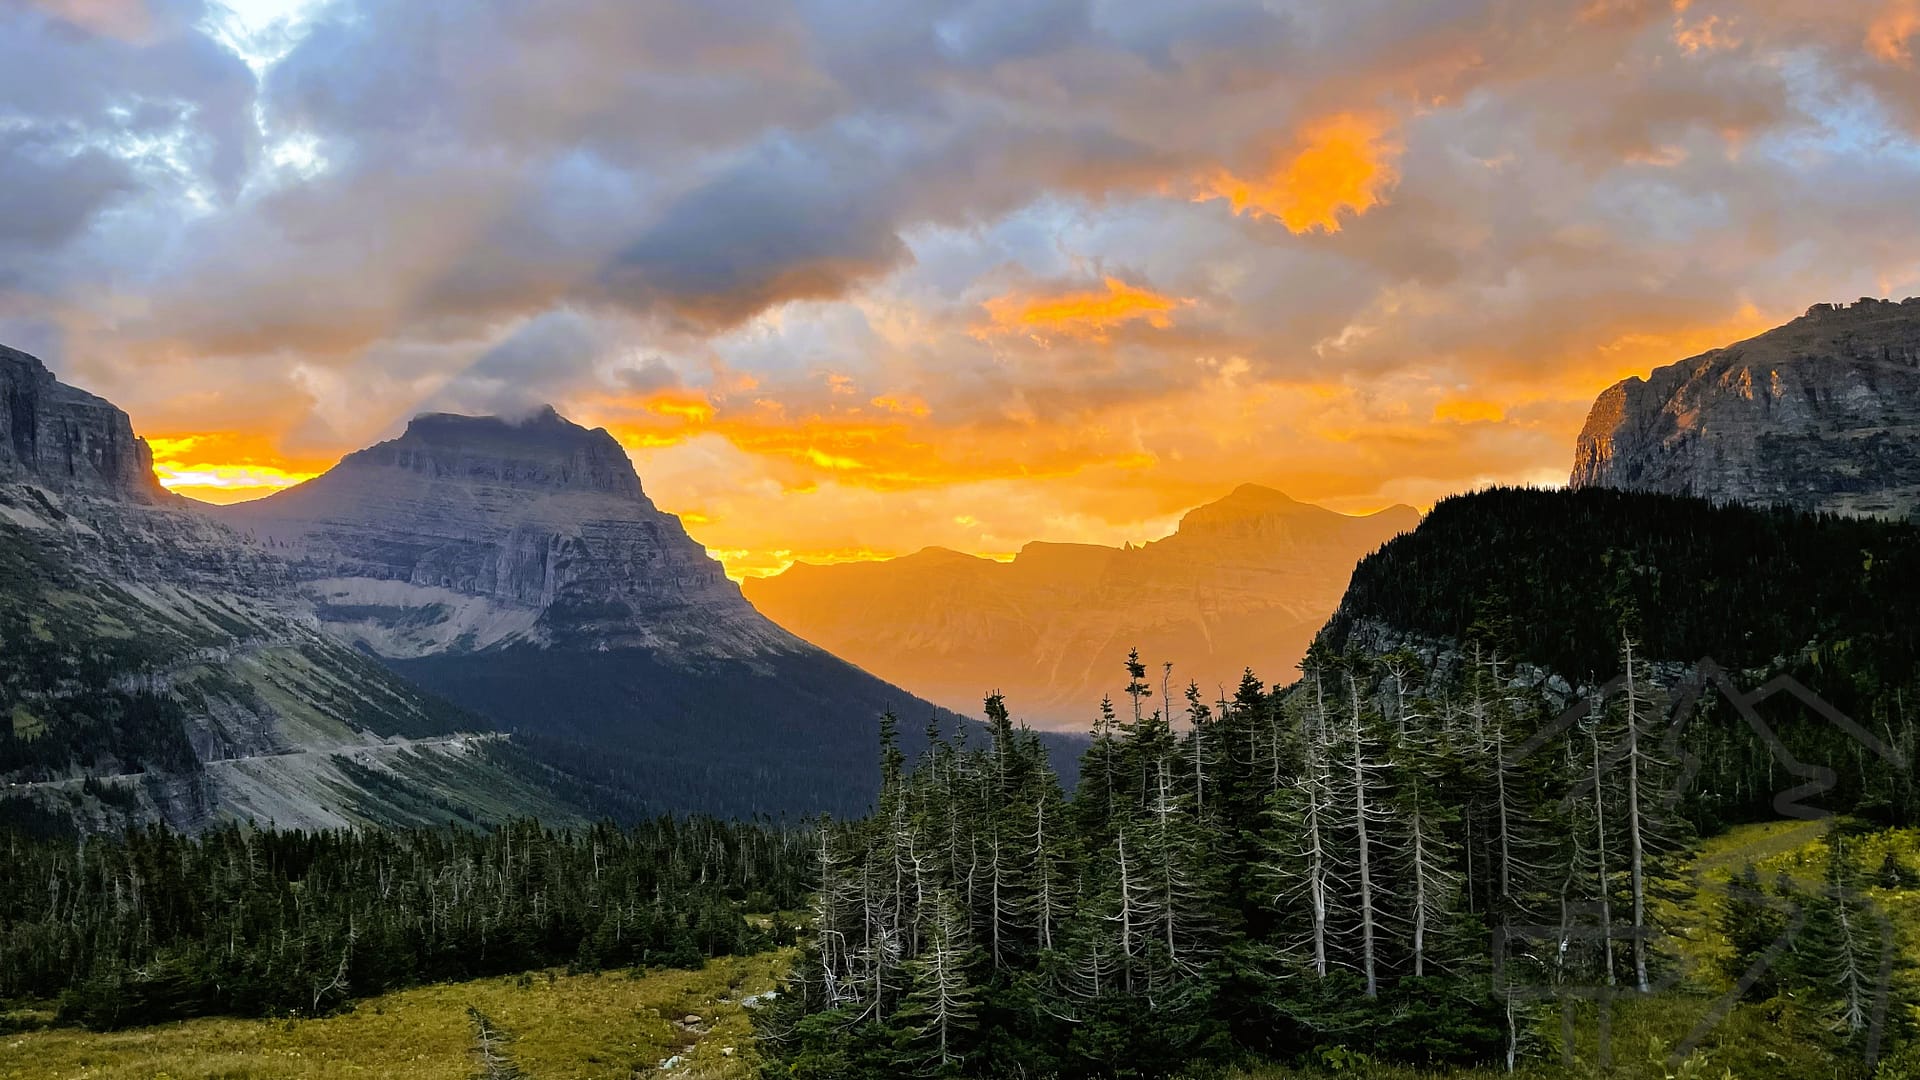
200, 467
844, 296
1341, 165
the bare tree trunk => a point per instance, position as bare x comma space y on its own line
1364, 854
1600, 852
1636, 850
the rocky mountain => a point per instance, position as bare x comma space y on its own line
1244, 582
518, 568
473, 533
1820, 414
154, 664
64, 439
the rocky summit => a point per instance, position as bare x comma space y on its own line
468, 533
1820, 414
1244, 581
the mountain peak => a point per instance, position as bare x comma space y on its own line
1248, 502
541, 450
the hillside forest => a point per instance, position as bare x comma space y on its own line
1371, 861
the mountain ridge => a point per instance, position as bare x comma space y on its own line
1244, 581
155, 665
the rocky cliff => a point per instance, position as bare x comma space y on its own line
67, 440
1244, 582
155, 664
1820, 414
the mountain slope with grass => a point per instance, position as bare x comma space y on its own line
155, 665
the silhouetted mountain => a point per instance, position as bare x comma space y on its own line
1245, 582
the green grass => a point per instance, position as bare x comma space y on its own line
1753, 1041
563, 1027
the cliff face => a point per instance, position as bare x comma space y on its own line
153, 651
1244, 582
1820, 414
65, 439
467, 533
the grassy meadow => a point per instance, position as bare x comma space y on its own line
559, 1027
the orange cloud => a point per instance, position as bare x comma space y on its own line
224, 467
1469, 411
911, 406
1890, 37
1089, 314
1343, 164
680, 405
1711, 34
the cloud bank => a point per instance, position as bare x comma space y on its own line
853, 278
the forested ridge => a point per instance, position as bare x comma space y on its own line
1557, 571
1549, 577
154, 925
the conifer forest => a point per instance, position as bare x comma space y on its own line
154, 925
1368, 861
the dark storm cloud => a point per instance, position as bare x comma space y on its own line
52, 188
790, 222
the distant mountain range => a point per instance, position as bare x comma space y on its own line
1243, 582
478, 620
1820, 414
487, 617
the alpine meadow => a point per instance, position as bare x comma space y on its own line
959, 539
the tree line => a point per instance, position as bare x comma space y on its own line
1548, 577
1372, 859
155, 925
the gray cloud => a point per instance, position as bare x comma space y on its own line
505, 203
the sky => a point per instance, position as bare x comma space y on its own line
853, 277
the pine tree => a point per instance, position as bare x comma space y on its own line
940, 1007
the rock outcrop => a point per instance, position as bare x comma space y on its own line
67, 440
1245, 582
1820, 414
